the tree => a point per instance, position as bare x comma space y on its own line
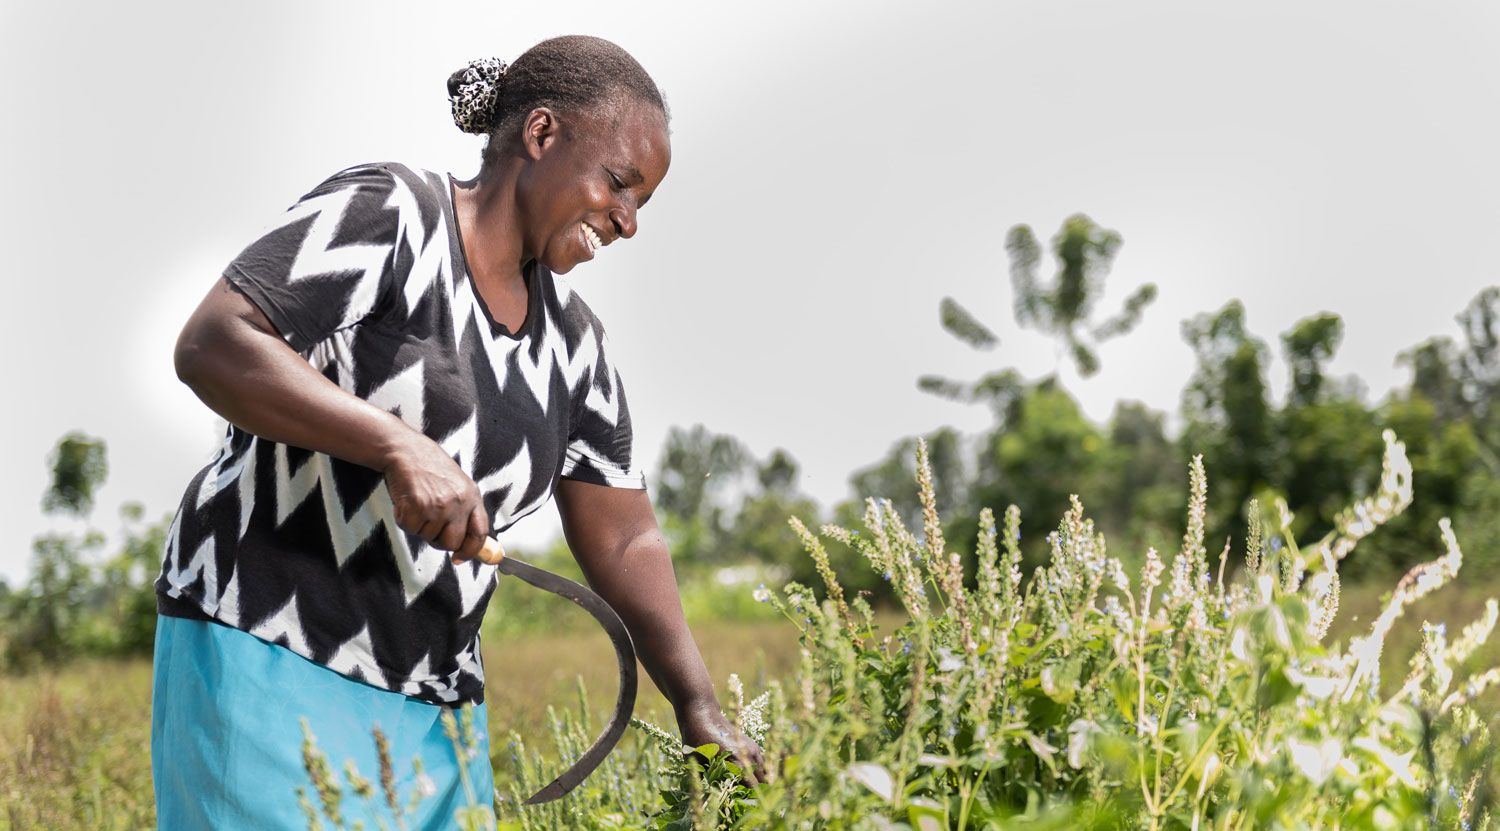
1308, 346
1450, 424
698, 480
997, 390
1330, 441
1141, 494
759, 531
1479, 368
42, 618
1479, 371
779, 473
1046, 450
1227, 414
1435, 376
696, 466
127, 597
1061, 307
72, 604
79, 467
895, 478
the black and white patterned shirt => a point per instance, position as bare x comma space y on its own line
366, 278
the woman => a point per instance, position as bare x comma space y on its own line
404, 372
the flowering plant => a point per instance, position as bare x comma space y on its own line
1185, 700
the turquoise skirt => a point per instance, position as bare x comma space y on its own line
227, 740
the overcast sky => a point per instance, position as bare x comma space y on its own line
838, 168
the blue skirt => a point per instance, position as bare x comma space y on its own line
226, 737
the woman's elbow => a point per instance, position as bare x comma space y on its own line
187, 357
201, 343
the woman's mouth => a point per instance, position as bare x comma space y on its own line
590, 238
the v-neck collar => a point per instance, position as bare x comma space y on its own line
461, 260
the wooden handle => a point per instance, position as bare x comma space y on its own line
492, 552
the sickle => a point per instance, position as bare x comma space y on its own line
624, 655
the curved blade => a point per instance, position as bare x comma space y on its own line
624, 654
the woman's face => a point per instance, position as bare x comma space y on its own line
590, 175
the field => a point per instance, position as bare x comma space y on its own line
76, 740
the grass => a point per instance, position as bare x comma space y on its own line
76, 747
75, 741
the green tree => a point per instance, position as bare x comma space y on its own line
1479, 371
74, 604
1045, 450
1227, 414
43, 617
127, 598
1434, 376
79, 467
1063, 306
759, 531
1139, 501
895, 478
1329, 439
1308, 346
1447, 418
700, 476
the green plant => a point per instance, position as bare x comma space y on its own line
1184, 700
385, 806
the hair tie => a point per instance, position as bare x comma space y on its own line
473, 91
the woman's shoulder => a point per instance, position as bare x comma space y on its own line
575, 318
391, 194
388, 177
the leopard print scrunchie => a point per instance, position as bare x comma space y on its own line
473, 91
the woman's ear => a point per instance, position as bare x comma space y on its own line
539, 132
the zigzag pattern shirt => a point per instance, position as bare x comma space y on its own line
366, 278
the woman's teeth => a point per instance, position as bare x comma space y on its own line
591, 237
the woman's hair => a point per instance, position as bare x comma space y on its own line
572, 73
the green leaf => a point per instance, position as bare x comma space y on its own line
962, 324
925, 815
1125, 696
875, 777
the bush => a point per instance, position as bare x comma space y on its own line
1086, 701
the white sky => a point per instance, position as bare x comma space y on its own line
837, 169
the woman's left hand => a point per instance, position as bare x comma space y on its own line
705, 724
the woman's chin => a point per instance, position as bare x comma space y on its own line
561, 265
558, 267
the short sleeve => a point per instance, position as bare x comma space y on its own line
600, 448
327, 262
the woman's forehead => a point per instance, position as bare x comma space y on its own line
635, 138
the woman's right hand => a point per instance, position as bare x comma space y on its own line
435, 499
231, 355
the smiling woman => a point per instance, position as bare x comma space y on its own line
405, 374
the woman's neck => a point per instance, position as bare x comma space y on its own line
489, 221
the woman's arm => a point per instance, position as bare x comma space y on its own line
615, 538
234, 359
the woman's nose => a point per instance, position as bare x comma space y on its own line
624, 220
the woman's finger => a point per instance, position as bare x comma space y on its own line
428, 529
478, 531
451, 538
